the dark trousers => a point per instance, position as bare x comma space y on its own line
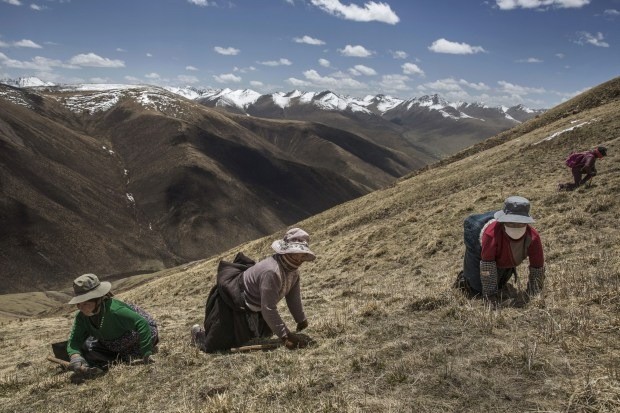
578, 179
227, 327
471, 266
95, 354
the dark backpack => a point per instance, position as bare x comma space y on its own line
574, 159
472, 226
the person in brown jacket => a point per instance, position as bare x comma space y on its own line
243, 303
582, 163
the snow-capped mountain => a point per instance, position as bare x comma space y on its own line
247, 101
428, 123
250, 102
30, 81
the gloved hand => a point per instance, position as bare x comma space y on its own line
536, 281
488, 278
293, 341
148, 359
78, 363
493, 300
302, 325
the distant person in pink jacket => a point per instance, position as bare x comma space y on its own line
582, 163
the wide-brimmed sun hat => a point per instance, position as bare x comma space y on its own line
87, 286
295, 241
516, 210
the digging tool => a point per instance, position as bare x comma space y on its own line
90, 371
266, 346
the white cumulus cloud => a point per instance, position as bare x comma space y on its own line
359, 70
530, 60
202, 3
540, 4
13, 2
37, 63
152, 75
27, 43
227, 51
93, 60
227, 78
518, 90
100, 80
244, 69
593, 39
308, 40
355, 51
412, 69
394, 83
324, 62
36, 7
444, 85
330, 81
399, 54
372, 11
476, 86
298, 82
280, 62
446, 46
192, 68
611, 13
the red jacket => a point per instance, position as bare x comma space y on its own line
496, 247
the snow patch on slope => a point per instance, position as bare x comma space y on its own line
16, 97
556, 134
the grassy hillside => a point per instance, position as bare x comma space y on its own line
391, 334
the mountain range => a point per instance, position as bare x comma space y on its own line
426, 124
123, 179
389, 332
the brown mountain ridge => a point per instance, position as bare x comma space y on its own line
137, 179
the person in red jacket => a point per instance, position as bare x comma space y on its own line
581, 164
505, 240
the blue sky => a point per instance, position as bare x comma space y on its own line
500, 52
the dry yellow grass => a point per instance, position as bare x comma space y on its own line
391, 334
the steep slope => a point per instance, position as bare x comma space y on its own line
120, 179
391, 334
63, 203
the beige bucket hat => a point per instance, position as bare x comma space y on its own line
87, 286
295, 241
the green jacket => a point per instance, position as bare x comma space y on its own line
117, 319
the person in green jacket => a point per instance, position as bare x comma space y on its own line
106, 329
